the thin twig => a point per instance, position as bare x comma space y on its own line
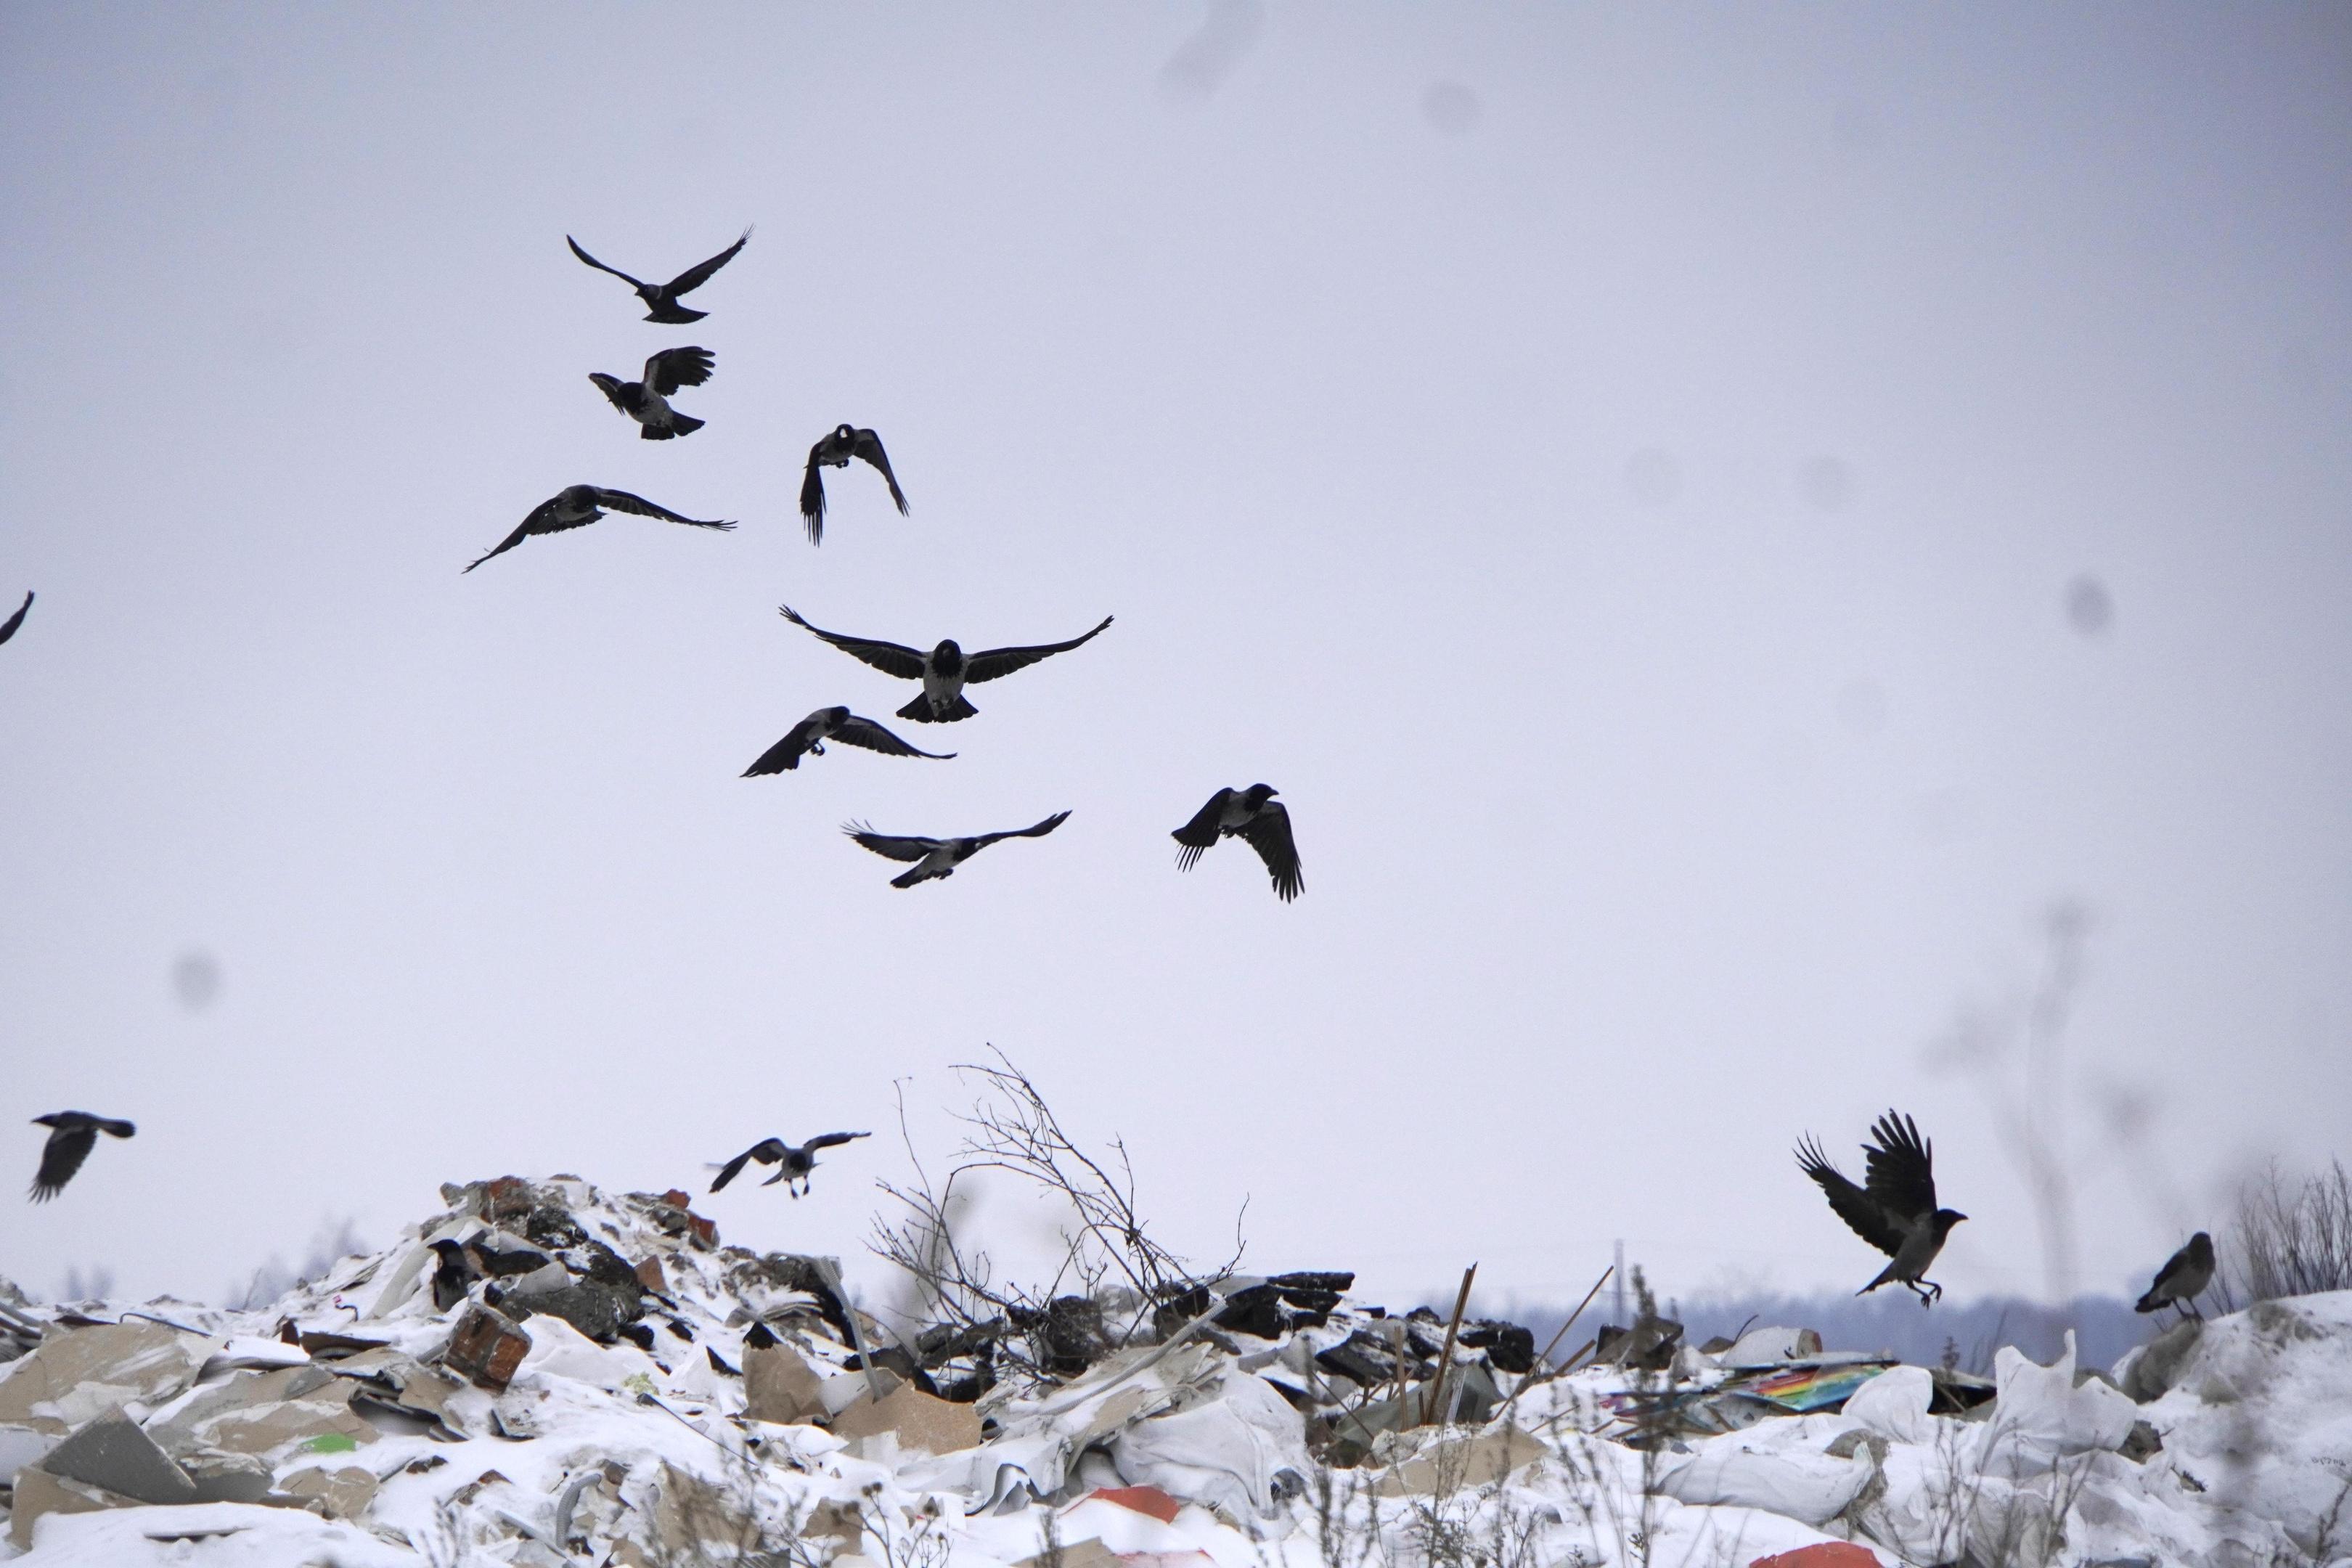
1435, 1399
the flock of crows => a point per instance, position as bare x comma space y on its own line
1894, 1208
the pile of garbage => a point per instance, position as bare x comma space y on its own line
549, 1374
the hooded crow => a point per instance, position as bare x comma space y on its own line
797, 1163
8, 627
577, 506
834, 451
938, 857
647, 401
661, 298
1894, 1209
1252, 813
2182, 1278
72, 1133
808, 737
944, 671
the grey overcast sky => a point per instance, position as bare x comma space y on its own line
1717, 519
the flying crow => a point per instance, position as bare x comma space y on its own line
8, 627
834, 451
797, 1163
647, 401
661, 298
808, 737
2182, 1278
1894, 1209
944, 671
577, 506
71, 1135
1252, 813
938, 857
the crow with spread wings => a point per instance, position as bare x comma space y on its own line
796, 1163
834, 451
938, 857
1894, 1208
577, 506
661, 298
1252, 813
944, 671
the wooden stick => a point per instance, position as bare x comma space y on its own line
1545, 1359
1434, 1399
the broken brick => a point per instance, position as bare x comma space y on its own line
486, 1347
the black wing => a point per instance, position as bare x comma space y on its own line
670, 369
60, 1157
995, 661
785, 754
889, 657
1201, 833
600, 266
8, 627
866, 444
543, 519
768, 1151
890, 845
1036, 830
812, 498
622, 500
1269, 834
1901, 1168
857, 731
695, 276
830, 1139
1859, 1211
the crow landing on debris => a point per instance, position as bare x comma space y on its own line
808, 738
1252, 813
8, 627
938, 857
2182, 1278
647, 401
944, 671
661, 298
1894, 1209
577, 506
834, 451
797, 1163
72, 1134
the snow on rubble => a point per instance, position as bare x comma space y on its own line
546, 1374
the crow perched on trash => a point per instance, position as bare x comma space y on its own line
647, 401
944, 671
834, 451
8, 627
661, 298
938, 857
577, 506
1894, 1209
72, 1134
2182, 1278
1252, 813
808, 737
797, 1163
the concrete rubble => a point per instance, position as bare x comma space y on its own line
545, 1373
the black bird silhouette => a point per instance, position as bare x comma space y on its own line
8, 627
577, 506
1252, 813
834, 451
2182, 1278
938, 857
72, 1133
661, 298
797, 1163
1894, 1209
647, 401
944, 671
808, 737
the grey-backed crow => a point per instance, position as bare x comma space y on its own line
72, 1133
808, 737
661, 298
944, 671
2182, 1278
938, 857
1252, 813
834, 451
577, 506
1894, 1209
796, 1163
647, 401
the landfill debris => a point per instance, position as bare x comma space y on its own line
545, 1373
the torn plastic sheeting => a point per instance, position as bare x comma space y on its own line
2041, 1417
559, 1350
1894, 1404
1810, 1487
79, 1374
1235, 1450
